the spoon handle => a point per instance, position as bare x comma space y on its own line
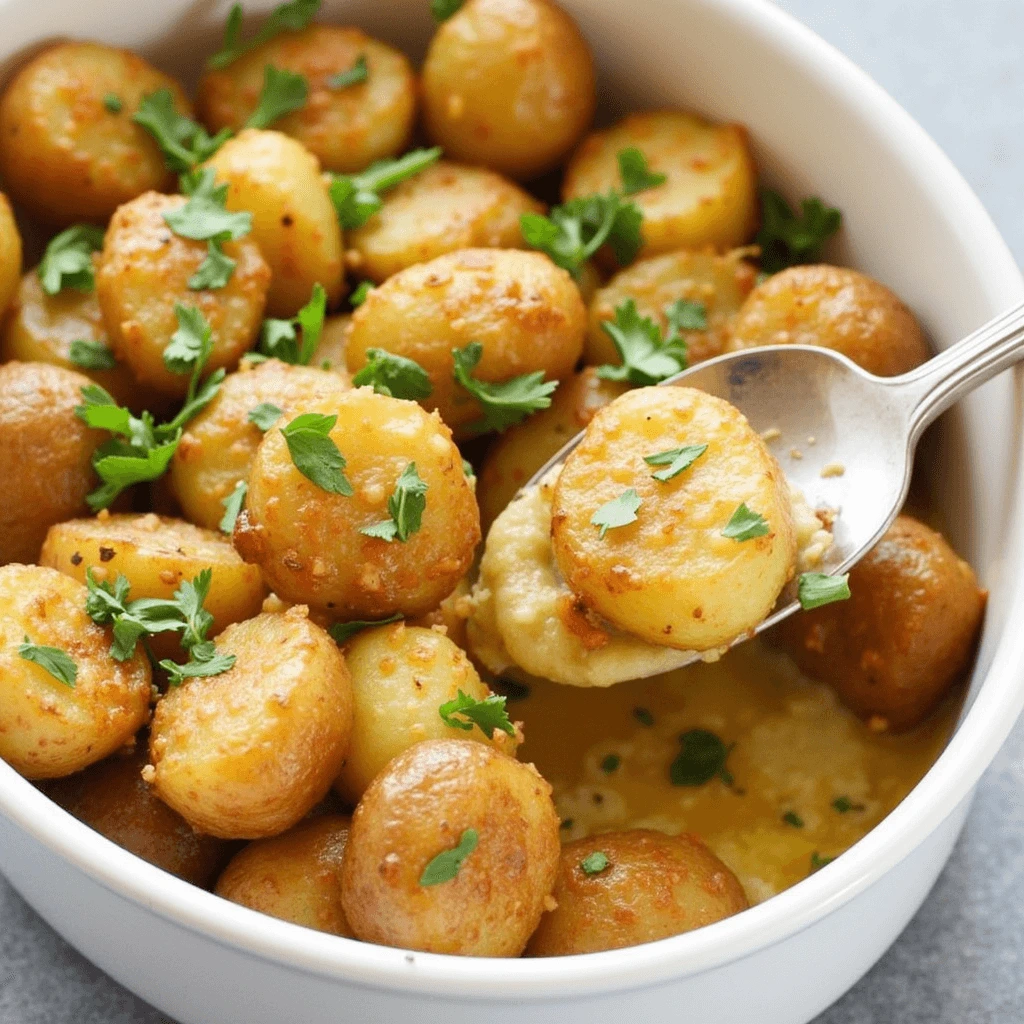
936, 385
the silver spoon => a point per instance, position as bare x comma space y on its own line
832, 416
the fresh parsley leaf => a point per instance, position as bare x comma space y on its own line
233, 507
215, 271
843, 804
91, 355
442, 10
197, 399
265, 415
315, 455
358, 73
818, 862
288, 17
463, 712
786, 238
506, 403
683, 315
119, 466
294, 341
358, 297
204, 217
357, 198
815, 589
636, 175
594, 863
283, 91
647, 358
445, 866
108, 604
675, 460
191, 343
702, 756
794, 819
183, 142
394, 375
745, 524
406, 507
212, 665
620, 511
58, 663
643, 716
67, 261
610, 763
343, 631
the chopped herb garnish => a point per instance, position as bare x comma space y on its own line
405, 506
594, 863
58, 663
265, 415
203, 659
818, 862
283, 91
183, 142
463, 712
67, 261
683, 315
442, 10
112, 103
620, 511
636, 175
817, 588
280, 339
647, 357
360, 294
643, 716
357, 198
288, 17
233, 507
315, 455
745, 525
610, 763
358, 73
794, 819
342, 631
191, 343
786, 238
445, 866
394, 376
701, 758
843, 804
91, 355
675, 460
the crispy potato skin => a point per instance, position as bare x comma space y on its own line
518, 453
346, 129
144, 272
655, 886
710, 197
63, 155
293, 220
218, 446
447, 207
45, 453
247, 754
419, 806
893, 650
295, 877
508, 84
836, 308
671, 577
10, 255
719, 283
401, 675
307, 542
48, 729
111, 798
525, 312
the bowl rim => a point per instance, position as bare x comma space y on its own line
946, 785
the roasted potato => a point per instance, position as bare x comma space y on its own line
524, 311
893, 650
626, 888
710, 195
218, 446
433, 798
293, 219
347, 129
836, 308
65, 154
50, 728
10, 256
45, 454
248, 753
307, 540
508, 84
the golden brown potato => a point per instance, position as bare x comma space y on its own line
307, 541
293, 219
835, 308
347, 129
508, 84
111, 798
45, 454
330, 351
401, 675
718, 283
525, 312
248, 753
650, 887
49, 728
63, 154
10, 255
144, 272
218, 446
893, 650
710, 195
433, 798
444, 208
673, 576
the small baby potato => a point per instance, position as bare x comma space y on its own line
894, 649
718, 283
672, 577
346, 128
293, 219
423, 804
218, 446
523, 449
248, 753
307, 542
653, 886
295, 877
710, 195
45, 454
111, 798
330, 351
509, 84
525, 312
835, 308
144, 273
444, 208
401, 675
10, 255
49, 728
64, 154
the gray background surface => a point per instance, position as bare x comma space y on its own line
958, 67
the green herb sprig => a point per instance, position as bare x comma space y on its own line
395, 376
67, 261
620, 511
295, 341
183, 142
314, 453
405, 507
463, 712
283, 92
357, 197
445, 866
787, 238
58, 663
342, 632
288, 17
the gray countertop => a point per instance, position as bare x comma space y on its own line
958, 67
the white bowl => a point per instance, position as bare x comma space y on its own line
819, 126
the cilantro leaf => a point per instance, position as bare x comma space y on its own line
394, 375
647, 358
683, 315
233, 506
620, 511
215, 271
108, 604
279, 339
58, 663
406, 507
445, 866
213, 665
675, 460
112, 103
745, 524
702, 756
787, 238
265, 415
594, 863
67, 261
119, 466
442, 10
194, 403
91, 355
358, 297
817, 588
191, 343
315, 455
343, 631
204, 216
358, 73
183, 142
283, 91
794, 819
636, 175
489, 714
356, 197
291, 17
